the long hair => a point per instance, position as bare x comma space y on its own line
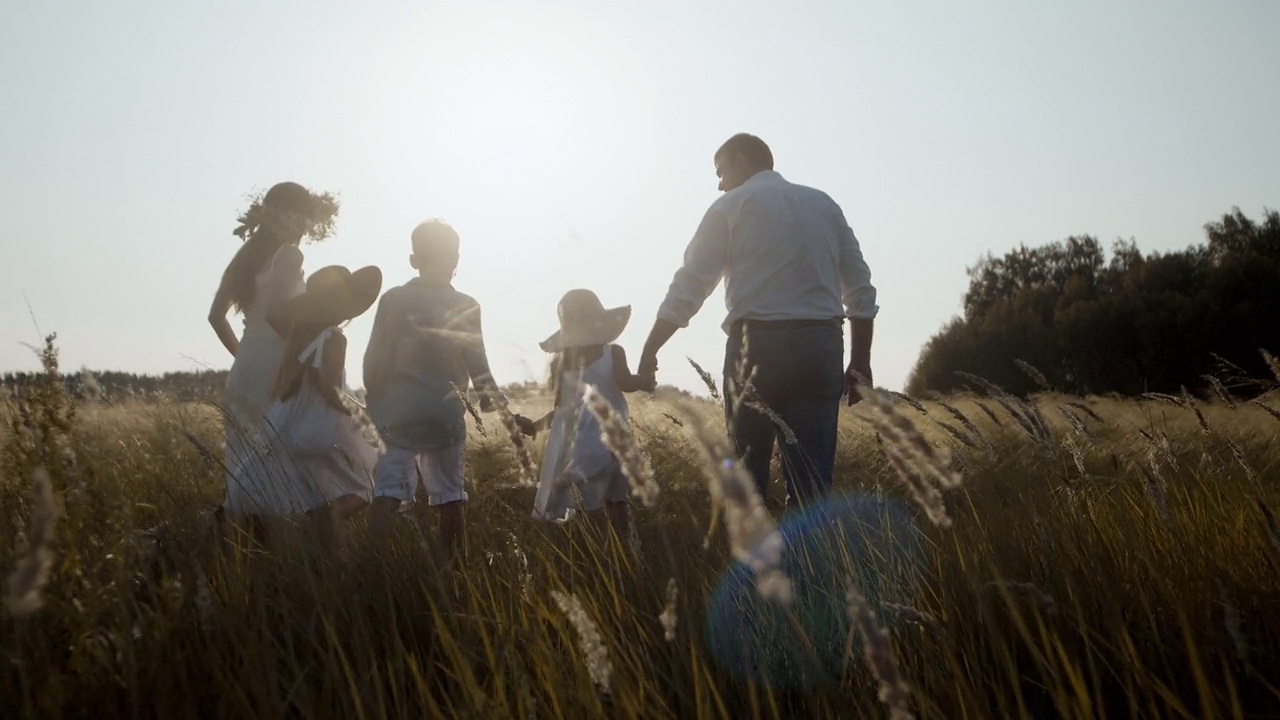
240, 277
281, 217
294, 372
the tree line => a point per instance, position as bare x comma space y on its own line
110, 387
1128, 324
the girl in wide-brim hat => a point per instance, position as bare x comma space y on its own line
579, 470
313, 453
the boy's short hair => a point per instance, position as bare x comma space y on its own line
435, 242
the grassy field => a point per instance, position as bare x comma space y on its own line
1099, 558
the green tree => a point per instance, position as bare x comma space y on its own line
1127, 324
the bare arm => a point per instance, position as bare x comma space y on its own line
622, 375
533, 427
477, 360
658, 336
218, 320
333, 361
379, 353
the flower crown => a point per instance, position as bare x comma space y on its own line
315, 221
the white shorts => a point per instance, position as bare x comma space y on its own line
440, 470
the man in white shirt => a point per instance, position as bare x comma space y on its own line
793, 270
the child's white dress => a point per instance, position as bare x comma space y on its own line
307, 455
578, 468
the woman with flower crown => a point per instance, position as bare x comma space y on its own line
264, 273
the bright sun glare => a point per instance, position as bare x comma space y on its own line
491, 107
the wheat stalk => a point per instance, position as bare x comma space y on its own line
754, 539
1272, 363
1238, 453
1273, 529
706, 379
909, 614
989, 413
752, 401
1036, 376
916, 404
877, 653
470, 408
668, 618
1086, 410
924, 469
1269, 410
1221, 391
618, 437
1043, 598
590, 643
29, 578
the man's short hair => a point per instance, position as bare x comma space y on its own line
436, 242
749, 146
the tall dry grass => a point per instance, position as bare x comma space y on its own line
1103, 558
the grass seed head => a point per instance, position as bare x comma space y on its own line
31, 575
617, 435
878, 655
668, 618
594, 652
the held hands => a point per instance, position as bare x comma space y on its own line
647, 371
527, 426
491, 399
647, 383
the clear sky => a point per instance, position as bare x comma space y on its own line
570, 144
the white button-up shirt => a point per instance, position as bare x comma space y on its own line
785, 252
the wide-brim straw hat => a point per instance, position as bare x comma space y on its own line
584, 320
335, 295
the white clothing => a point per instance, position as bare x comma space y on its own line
578, 468
306, 455
785, 252
253, 374
441, 470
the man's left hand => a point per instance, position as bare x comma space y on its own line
855, 374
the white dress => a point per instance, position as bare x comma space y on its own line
578, 468
307, 454
253, 374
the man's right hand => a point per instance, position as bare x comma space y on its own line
648, 383
658, 336
648, 367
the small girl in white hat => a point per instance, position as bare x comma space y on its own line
578, 470
312, 455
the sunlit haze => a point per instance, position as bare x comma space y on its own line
570, 144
